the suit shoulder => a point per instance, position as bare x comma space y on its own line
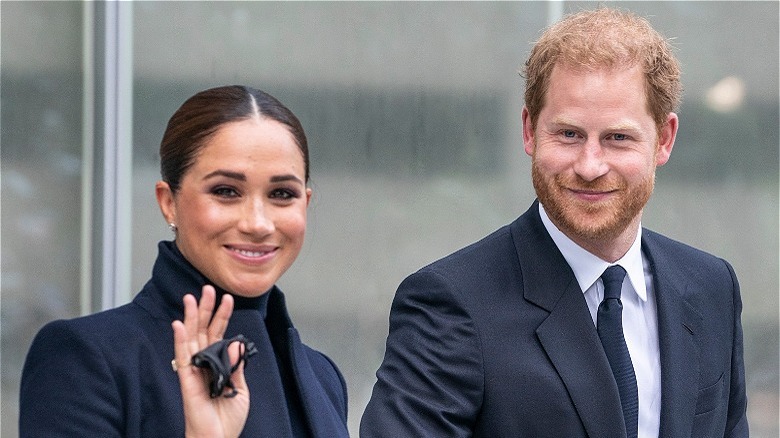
666, 253
676, 249
481, 254
462, 282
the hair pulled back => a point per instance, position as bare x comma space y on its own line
200, 116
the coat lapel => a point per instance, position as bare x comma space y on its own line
568, 335
323, 418
678, 323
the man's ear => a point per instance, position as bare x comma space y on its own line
666, 138
166, 202
528, 133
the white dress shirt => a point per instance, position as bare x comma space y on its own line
640, 322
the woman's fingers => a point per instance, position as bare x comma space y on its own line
191, 323
200, 329
219, 322
181, 346
205, 309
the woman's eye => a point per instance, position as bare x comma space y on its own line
225, 192
283, 194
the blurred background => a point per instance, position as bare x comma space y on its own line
413, 116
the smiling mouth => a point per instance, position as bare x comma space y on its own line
592, 197
592, 192
251, 254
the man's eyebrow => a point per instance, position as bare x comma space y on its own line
620, 126
625, 126
562, 121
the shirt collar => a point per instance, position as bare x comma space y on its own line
588, 268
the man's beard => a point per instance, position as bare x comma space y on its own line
585, 220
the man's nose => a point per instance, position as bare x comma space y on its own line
590, 163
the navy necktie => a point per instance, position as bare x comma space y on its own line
609, 324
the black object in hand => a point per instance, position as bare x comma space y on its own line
216, 361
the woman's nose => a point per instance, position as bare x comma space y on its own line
256, 219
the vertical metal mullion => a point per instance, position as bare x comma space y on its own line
554, 11
117, 158
87, 156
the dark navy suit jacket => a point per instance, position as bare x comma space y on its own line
496, 340
109, 374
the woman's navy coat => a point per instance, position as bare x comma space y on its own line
109, 374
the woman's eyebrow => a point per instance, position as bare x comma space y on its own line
226, 173
241, 177
285, 178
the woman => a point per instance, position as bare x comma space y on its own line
235, 168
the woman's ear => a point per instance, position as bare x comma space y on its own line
166, 201
308, 196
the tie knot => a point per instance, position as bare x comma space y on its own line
613, 281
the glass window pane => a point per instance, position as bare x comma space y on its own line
41, 178
413, 114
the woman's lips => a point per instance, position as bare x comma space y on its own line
253, 254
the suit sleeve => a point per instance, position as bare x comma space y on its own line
431, 380
736, 422
67, 388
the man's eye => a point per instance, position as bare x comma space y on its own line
568, 133
619, 136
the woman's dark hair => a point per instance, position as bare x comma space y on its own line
200, 116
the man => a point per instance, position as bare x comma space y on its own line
509, 336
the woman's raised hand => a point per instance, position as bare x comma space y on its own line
219, 417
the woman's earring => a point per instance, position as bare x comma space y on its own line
172, 226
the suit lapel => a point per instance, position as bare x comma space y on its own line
575, 350
678, 323
568, 335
